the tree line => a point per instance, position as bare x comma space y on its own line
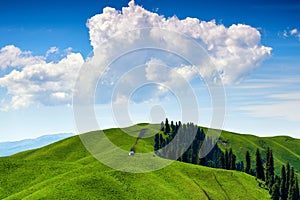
188, 142
283, 187
176, 142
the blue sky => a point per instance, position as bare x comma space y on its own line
262, 100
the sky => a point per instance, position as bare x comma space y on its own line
253, 45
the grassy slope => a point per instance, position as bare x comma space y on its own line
66, 169
284, 148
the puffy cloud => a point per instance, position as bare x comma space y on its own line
38, 81
11, 56
235, 50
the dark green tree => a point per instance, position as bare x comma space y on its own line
283, 189
156, 142
222, 160
275, 189
162, 126
275, 194
297, 188
293, 188
269, 168
226, 159
248, 163
173, 127
167, 126
232, 160
259, 166
288, 175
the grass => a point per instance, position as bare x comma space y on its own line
66, 170
284, 148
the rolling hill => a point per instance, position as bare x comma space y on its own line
65, 169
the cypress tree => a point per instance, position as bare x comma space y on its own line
292, 194
167, 128
232, 160
222, 160
259, 166
288, 173
275, 195
283, 189
226, 159
297, 195
173, 127
248, 162
269, 168
240, 166
162, 126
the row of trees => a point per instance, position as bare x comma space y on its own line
284, 187
188, 143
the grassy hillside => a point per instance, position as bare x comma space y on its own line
284, 148
67, 170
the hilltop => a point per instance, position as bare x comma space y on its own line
65, 169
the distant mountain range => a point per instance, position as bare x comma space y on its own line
10, 148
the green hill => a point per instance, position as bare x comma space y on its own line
67, 170
284, 148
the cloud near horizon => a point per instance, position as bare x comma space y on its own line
235, 50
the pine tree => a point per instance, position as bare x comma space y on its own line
259, 166
173, 127
275, 195
288, 173
226, 159
283, 189
232, 160
269, 168
222, 160
162, 126
167, 128
297, 195
248, 162
292, 187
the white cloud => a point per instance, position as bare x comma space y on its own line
38, 81
294, 31
11, 56
52, 50
282, 109
235, 50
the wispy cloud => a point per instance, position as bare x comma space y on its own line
291, 33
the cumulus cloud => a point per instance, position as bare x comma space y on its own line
235, 50
11, 56
38, 81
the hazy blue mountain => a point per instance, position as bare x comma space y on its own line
10, 148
